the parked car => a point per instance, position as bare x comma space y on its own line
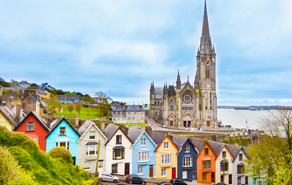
163, 183
221, 183
177, 182
108, 177
135, 179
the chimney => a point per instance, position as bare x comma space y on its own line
102, 126
170, 135
18, 112
148, 130
76, 121
1, 90
126, 130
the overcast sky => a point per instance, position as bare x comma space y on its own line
120, 47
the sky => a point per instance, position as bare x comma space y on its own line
120, 47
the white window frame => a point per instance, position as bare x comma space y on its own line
89, 148
143, 156
187, 149
187, 162
87, 165
140, 170
36, 139
143, 141
100, 163
163, 172
11, 98
29, 124
92, 135
64, 131
67, 145
166, 159
166, 145
185, 174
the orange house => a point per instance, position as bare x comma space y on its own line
35, 127
206, 164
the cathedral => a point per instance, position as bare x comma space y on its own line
189, 104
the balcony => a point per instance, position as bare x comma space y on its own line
206, 169
166, 165
141, 163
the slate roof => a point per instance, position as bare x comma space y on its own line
158, 91
171, 91
8, 114
68, 97
110, 130
217, 146
39, 118
157, 137
179, 141
135, 108
134, 133
119, 109
84, 127
55, 123
233, 149
198, 143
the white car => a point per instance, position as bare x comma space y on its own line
108, 177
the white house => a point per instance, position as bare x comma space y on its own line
88, 147
239, 175
135, 114
118, 150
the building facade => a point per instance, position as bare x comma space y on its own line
190, 105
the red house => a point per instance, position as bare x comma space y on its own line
34, 126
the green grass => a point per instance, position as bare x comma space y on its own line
187, 135
135, 124
83, 113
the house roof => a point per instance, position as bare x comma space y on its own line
119, 109
179, 140
188, 139
110, 132
217, 147
55, 123
157, 137
135, 108
8, 114
70, 97
233, 149
85, 127
134, 133
198, 143
167, 136
38, 118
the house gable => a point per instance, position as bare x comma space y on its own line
96, 128
42, 123
167, 138
139, 139
116, 133
57, 125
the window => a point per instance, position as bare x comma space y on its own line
165, 145
63, 144
239, 180
240, 169
230, 178
30, 126
223, 166
133, 118
100, 163
36, 139
246, 179
118, 153
12, 106
29, 100
23, 105
187, 162
91, 150
3, 102
165, 159
129, 113
185, 174
143, 141
134, 113
92, 135
143, 156
114, 168
224, 154
240, 157
187, 149
200, 107
62, 131
206, 164
207, 72
119, 139
206, 151
204, 176
140, 170
86, 165
11, 98
163, 172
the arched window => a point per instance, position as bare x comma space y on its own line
210, 100
207, 72
200, 107
206, 100
155, 103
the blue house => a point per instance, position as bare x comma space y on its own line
62, 134
143, 155
186, 159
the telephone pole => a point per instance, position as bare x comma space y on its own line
97, 157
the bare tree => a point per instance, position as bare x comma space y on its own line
78, 107
101, 100
70, 107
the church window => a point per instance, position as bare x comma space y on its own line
200, 116
207, 72
210, 95
155, 103
200, 107
156, 113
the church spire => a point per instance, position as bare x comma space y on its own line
206, 43
205, 29
178, 82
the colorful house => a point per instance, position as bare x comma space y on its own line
6, 117
143, 152
186, 159
166, 159
206, 162
224, 165
239, 175
62, 134
118, 150
88, 147
35, 127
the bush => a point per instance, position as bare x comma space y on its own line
85, 105
62, 153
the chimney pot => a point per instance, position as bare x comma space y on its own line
76, 121
18, 111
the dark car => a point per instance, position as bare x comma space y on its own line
221, 183
135, 179
177, 182
163, 183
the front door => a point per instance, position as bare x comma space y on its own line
171, 123
185, 123
74, 160
194, 177
208, 123
189, 123
212, 177
127, 168
151, 171
173, 173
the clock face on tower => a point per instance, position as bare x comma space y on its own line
208, 86
187, 98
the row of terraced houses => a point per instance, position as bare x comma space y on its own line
137, 151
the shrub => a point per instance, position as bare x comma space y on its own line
62, 153
70, 107
85, 105
78, 107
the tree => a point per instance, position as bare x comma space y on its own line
44, 85
78, 107
53, 104
61, 152
70, 107
267, 157
101, 99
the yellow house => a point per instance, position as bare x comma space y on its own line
6, 118
166, 159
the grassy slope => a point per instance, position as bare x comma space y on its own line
94, 113
32, 165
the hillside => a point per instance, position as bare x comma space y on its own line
21, 162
